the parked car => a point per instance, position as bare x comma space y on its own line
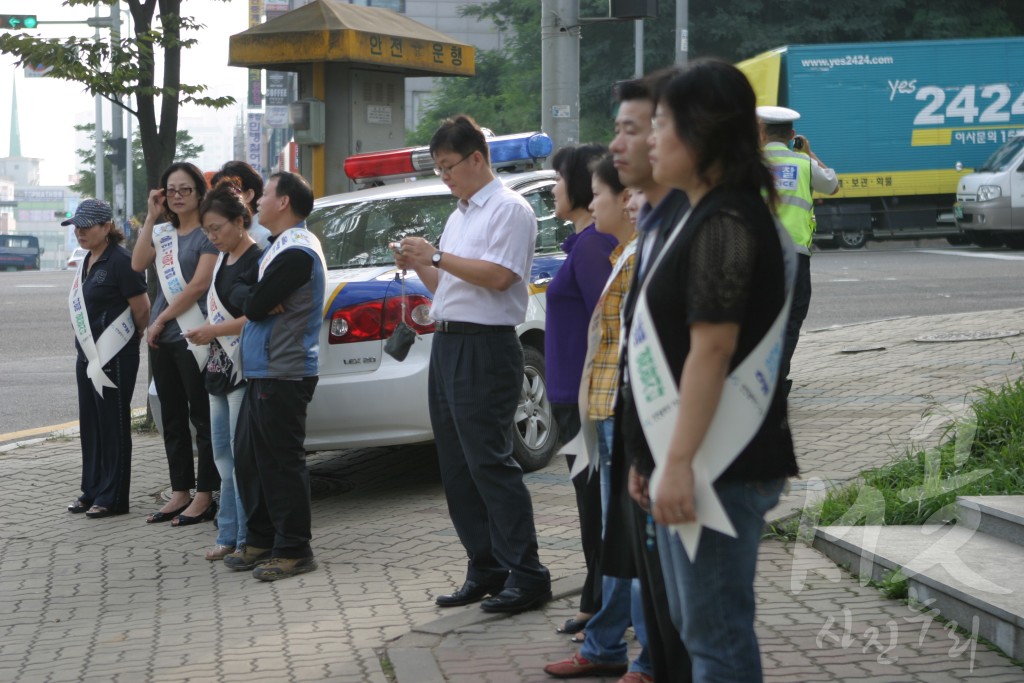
366, 398
77, 256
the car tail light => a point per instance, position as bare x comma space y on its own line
376, 320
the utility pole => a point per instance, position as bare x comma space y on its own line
682, 31
560, 71
117, 170
100, 187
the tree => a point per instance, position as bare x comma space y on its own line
186, 150
127, 68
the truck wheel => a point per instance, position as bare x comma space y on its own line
852, 240
959, 240
1015, 241
535, 434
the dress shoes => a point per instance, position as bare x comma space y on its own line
579, 667
470, 592
515, 600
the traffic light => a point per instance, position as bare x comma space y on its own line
63, 214
118, 149
16, 22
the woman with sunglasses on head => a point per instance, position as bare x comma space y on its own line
227, 223
109, 309
184, 261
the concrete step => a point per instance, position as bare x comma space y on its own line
970, 577
999, 516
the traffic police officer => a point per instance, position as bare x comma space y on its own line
797, 172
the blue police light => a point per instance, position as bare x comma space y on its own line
520, 147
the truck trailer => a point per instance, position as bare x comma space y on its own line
900, 122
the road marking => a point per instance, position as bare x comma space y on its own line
845, 279
974, 254
24, 433
34, 286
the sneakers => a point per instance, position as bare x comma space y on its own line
636, 677
247, 557
577, 667
283, 567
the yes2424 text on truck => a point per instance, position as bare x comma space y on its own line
897, 121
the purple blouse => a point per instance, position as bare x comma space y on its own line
571, 298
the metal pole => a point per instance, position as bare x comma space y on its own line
682, 31
116, 120
100, 188
129, 158
638, 48
560, 71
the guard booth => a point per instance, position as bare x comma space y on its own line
351, 62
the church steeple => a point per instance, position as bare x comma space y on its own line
15, 150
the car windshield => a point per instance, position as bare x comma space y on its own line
357, 235
1003, 157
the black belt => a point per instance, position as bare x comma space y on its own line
453, 327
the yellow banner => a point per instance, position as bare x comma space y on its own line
893, 183
763, 73
437, 57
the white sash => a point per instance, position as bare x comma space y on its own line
217, 313
99, 352
585, 441
172, 284
746, 398
292, 238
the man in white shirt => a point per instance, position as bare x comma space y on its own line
479, 278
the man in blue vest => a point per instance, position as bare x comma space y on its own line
283, 308
797, 173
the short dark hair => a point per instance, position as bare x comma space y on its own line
461, 135
778, 131
573, 165
713, 111
636, 89
197, 177
298, 191
250, 177
604, 170
226, 199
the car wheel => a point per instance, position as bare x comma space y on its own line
959, 240
852, 240
986, 240
535, 434
1015, 241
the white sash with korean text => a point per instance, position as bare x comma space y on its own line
742, 408
98, 352
297, 237
585, 441
172, 283
217, 313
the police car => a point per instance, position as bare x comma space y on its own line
365, 397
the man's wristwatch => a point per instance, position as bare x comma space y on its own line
435, 260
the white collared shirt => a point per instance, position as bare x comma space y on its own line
495, 225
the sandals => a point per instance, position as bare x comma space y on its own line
185, 520
158, 517
219, 552
573, 626
98, 512
78, 507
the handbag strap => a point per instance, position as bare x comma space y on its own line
402, 278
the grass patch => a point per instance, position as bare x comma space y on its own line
981, 454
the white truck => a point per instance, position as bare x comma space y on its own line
989, 205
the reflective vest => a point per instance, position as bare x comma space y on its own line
792, 172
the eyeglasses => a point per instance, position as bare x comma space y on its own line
213, 229
442, 171
180, 191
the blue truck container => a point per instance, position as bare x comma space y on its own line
900, 122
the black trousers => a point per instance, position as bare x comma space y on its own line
474, 386
183, 399
588, 505
270, 465
797, 314
106, 433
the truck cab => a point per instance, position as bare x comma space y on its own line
989, 205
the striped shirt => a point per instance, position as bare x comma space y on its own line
604, 374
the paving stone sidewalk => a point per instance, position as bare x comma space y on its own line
119, 600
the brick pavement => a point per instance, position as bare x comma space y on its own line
119, 600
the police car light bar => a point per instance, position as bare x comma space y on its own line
506, 150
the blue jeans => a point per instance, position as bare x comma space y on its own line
620, 598
224, 412
711, 600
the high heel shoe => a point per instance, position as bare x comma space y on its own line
209, 513
158, 517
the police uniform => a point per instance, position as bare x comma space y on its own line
796, 177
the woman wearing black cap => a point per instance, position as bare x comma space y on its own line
109, 309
